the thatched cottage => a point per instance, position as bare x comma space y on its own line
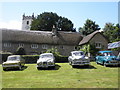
36, 42
96, 38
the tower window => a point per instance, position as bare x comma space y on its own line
27, 22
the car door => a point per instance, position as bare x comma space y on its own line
100, 58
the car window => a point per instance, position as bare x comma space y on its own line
13, 58
78, 53
46, 56
108, 54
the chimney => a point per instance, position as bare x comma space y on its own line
54, 31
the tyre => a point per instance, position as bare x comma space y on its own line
20, 67
104, 64
97, 62
70, 63
73, 66
38, 68
4, 69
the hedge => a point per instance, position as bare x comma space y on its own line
34, 58
4, 57
30, 58
61, 59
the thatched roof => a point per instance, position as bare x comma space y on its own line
87, 38
41, 37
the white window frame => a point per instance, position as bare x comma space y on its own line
98, 45
7, 44
44, 46
21, 45
34, 46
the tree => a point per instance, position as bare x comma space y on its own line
89, 27
112, 32
46, 20
20, 51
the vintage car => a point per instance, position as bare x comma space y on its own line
13, 61
46, 60
107, 58
78, 58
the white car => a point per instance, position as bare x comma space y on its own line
78, 58
13, 61
46, 60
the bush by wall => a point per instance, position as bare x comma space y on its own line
30, 58
4, 57
61, 59
58, 57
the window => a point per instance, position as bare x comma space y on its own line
44, 46
7, 44
98, 45
75, 48
61, 47
21, 45
34, 46
27, 22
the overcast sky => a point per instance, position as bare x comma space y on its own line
77, 12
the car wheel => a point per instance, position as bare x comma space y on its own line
20, 67
105, 65
70, 63
97, 62
4, 69
38, 68
73, 66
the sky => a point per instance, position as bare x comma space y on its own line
77, 12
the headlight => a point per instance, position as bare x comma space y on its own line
40, 63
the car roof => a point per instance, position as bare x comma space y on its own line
104, 51
46, 54
14, 56
76, 51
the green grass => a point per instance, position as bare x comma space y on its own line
96, 76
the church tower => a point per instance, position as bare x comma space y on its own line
27, 21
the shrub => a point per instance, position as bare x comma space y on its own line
58, 57
30, 58
4, 57
20, 51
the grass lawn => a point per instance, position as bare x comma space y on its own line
64, 76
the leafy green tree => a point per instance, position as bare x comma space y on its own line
89, 27
20, 51
112, 32
46, 20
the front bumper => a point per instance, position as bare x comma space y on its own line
45, 64
114, 63
80, 63
10, 66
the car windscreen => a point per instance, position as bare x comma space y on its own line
78, 53
46, 56
108, 54
12, 58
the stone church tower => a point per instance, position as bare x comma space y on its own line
26, 22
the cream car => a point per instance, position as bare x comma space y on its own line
13, 61
46, 60
78, 58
